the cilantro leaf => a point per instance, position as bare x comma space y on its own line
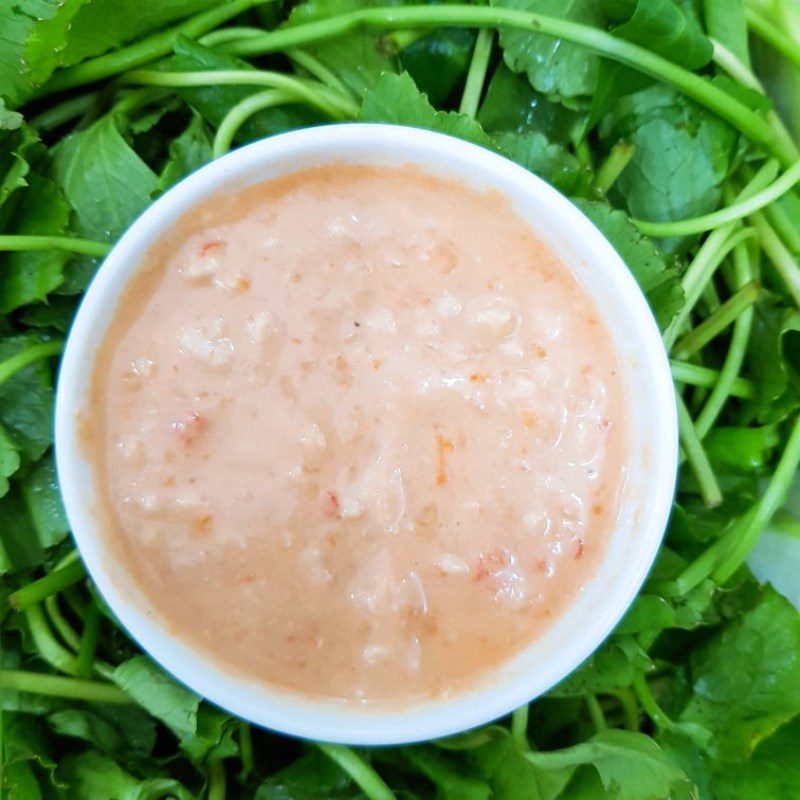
561, 70
747, 680
658, 281
681, 154
396, 99
103, 179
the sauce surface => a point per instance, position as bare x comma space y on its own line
358, 432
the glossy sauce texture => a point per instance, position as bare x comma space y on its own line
359, 432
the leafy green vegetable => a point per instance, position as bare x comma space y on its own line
30, 276
156, 692
104, 181
681, 154
396, 99
666, 27
438, 61
744, 705
643, 109
559, 69
659, 282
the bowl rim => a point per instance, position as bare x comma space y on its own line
270, 706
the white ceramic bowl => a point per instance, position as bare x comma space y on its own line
652, 457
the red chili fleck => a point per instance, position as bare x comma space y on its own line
329, 504
604, 424
579, 549
189, 427
205, 248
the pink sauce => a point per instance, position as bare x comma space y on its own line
359, 433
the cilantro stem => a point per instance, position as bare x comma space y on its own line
705, 263
737, 349
743, 537
359, 770
614, 165
88, 643
245, 750
726, 60
242, 111
49, 649
598, 41
596, 714
519, 727
145, 50
648, 702
316, 68
225, 35
335, 104
59, 623
707, 378
784, 226
780, 258
743, 208
54, 582
216, 780
84, 246
64, 112
697, 338
630, 708
773, 36
59, 686
697, 458
476, 76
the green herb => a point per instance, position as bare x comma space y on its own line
672, 125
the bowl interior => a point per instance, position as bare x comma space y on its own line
652, 457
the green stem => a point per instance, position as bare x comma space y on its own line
771, 501
56, 581
712, 326
614, 165
707, 378
519, 727
335, 104
58, 686
57, 620
362, 773
146, 50
313, 66
226, 35
734, 358
245, 751
596, 714
710, 255
630, 708
64, 112
697, 458
88, 644
216, 780
773, 36
242, 111
727, 61
731, 213
49, 649
476, 76
784, 226
597, 41
780, 258
84, 246
648, 702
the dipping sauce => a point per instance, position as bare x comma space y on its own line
358, 432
